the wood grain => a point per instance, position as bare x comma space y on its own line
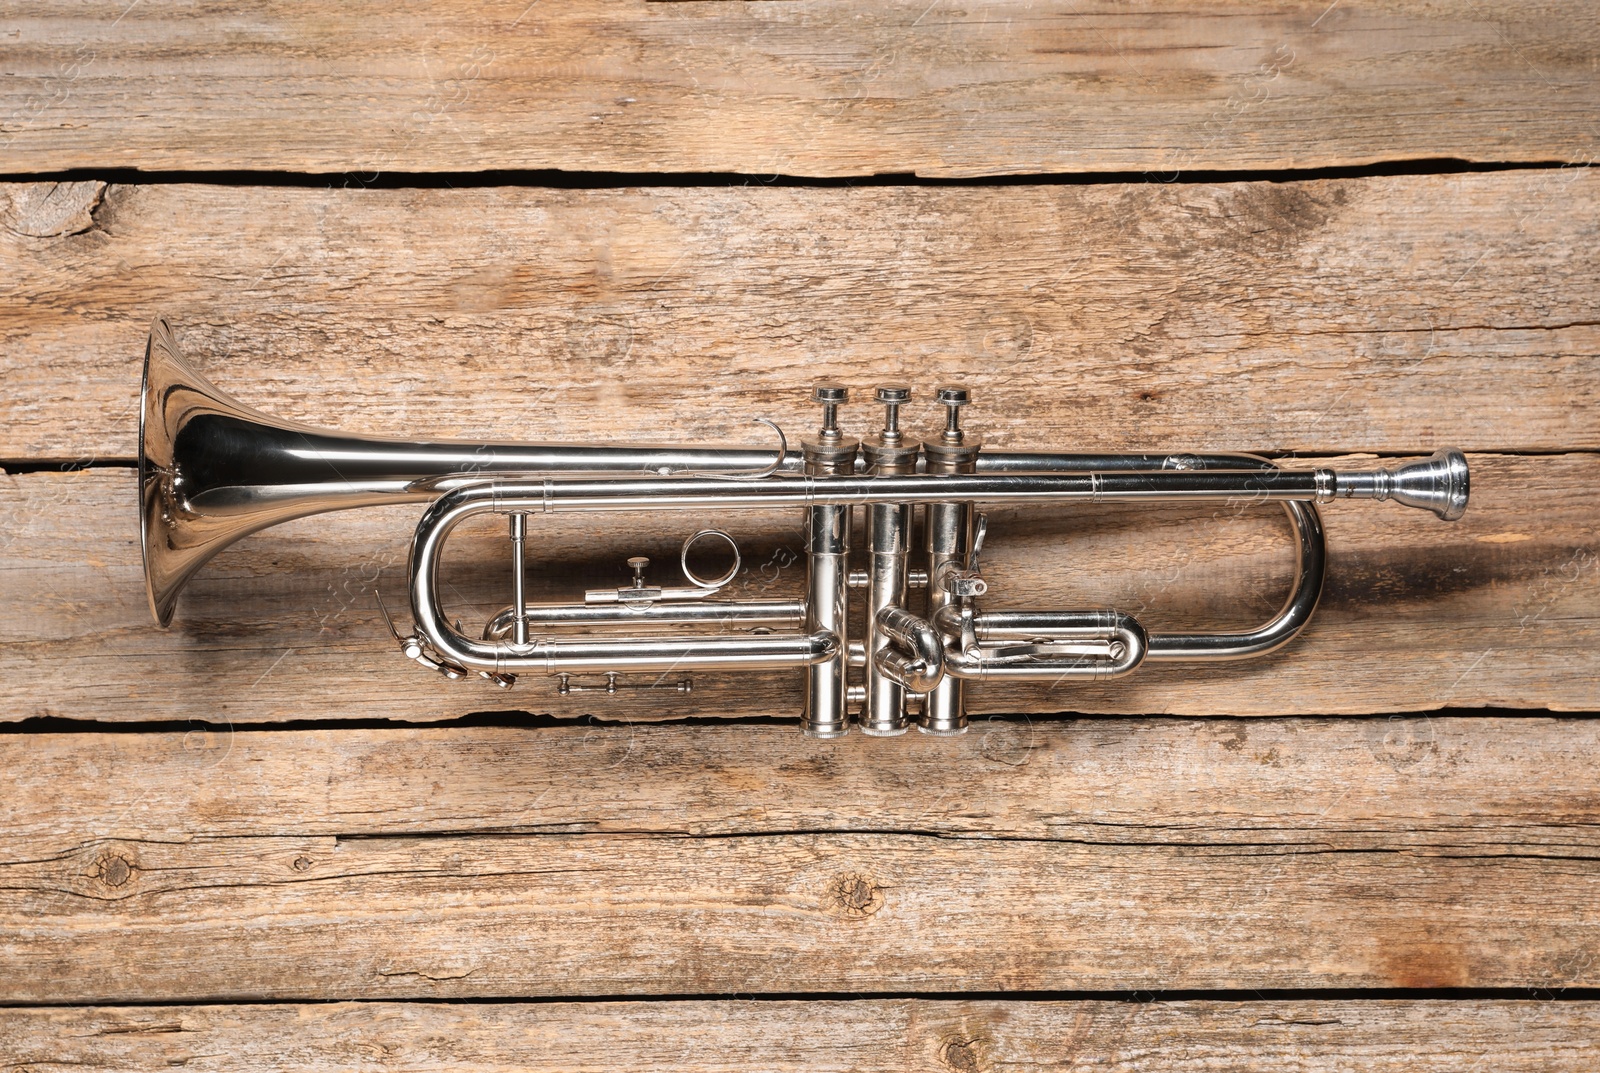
1392, 314
809, 87
314, 917
1501, 608
1091, 855
958, 1036
1481, 785
215, 860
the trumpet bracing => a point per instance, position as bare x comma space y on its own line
212, 470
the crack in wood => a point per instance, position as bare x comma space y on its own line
435, 977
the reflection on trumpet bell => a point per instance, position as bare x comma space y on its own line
212, 471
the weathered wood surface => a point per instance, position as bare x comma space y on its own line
1480, 785
568, 860
959, 1036
811, 87
1450, 852
1390, 314
1501, 608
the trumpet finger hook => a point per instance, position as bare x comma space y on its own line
980, 528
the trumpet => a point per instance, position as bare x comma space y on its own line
212, 470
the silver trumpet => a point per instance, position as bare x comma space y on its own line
212, 470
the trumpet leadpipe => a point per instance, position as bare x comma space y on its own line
1439, 494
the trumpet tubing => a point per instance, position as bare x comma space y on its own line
212, 471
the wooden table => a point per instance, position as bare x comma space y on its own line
262, 840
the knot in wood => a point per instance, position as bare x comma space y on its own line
857, 895
961, 1055
114, 870
52, 210
301, 863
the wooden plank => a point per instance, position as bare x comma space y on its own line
810, 87
1501, 608
1131, 855
451, 916
961, 1036
1390, 314
1477, 784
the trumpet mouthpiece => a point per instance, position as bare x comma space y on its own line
1438, 483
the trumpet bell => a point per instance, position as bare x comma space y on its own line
175, 542
212, 470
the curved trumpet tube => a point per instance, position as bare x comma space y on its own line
1041, 645
212, 470
921, 667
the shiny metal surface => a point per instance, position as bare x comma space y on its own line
1439, 484
564, 495
1039, 646
212, 470
827, 705
887, 454
827, 611
519, 579
723, 615
949, 537
553, 654
948, 541
916, 663
888, 541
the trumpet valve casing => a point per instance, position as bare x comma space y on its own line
948, 539
826, 713
889, 544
